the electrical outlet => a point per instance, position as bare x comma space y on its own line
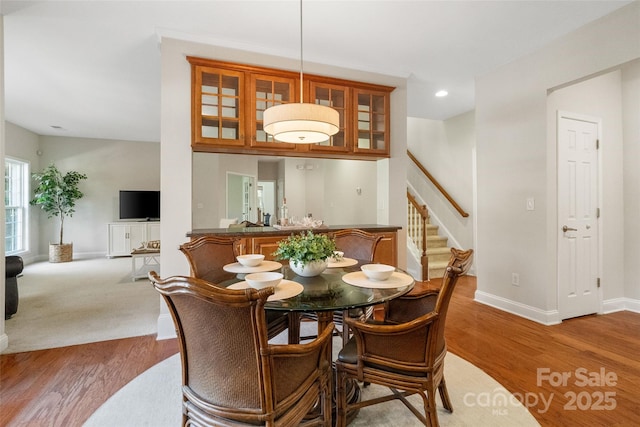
515, 279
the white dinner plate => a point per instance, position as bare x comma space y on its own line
346, 262
285, 289
358, 278
236, 267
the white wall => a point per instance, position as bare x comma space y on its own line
445, 149
343, 204
209, 191
516, 160
631, 135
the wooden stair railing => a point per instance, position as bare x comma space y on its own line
418, 217
437, 184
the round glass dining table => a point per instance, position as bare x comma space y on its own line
328, 292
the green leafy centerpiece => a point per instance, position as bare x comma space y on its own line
307, 253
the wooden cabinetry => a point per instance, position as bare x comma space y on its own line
268, 91
264, 245
218, 93
126, 236
336, 97
229, 100
372, 130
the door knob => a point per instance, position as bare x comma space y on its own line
565, 229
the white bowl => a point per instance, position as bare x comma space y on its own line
263, 280
250, 260
378, 271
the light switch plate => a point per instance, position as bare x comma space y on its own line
531, 204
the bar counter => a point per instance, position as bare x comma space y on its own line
264, 240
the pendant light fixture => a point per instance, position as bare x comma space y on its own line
301, 123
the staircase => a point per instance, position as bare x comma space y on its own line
425, 241
437, 251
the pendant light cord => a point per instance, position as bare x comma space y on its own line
301, 61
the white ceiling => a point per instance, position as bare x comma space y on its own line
93, 67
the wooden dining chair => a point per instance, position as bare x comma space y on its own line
361, 246
231, 375
357, 244
405, 352
207, 255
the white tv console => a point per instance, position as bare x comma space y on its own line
125, 236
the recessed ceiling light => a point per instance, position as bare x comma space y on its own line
442, 93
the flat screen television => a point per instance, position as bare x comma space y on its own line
140, 205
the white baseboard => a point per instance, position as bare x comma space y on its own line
166, 328
549, 317
620, 304
30, 259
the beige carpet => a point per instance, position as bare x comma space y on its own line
86, 300
153, 399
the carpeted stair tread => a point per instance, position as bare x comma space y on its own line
436, 241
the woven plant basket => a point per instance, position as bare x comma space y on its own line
60, 253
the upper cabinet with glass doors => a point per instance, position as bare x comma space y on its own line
268, 91
218, 96
229, 100
336, 97
372, 130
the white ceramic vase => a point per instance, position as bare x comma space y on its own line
308, 269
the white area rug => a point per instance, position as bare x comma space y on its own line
86, 300
154, 399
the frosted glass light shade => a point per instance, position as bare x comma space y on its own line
301, 123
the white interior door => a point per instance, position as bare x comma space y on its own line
577, 215
249, 211
241, 197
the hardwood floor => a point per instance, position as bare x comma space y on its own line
64, 386
512, 350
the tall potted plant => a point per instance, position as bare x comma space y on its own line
56, 194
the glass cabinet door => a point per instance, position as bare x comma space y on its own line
267, 91
218, 114
336, 97
372, 112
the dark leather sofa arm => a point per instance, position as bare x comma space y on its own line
13, 267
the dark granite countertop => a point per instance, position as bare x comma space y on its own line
272, 231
